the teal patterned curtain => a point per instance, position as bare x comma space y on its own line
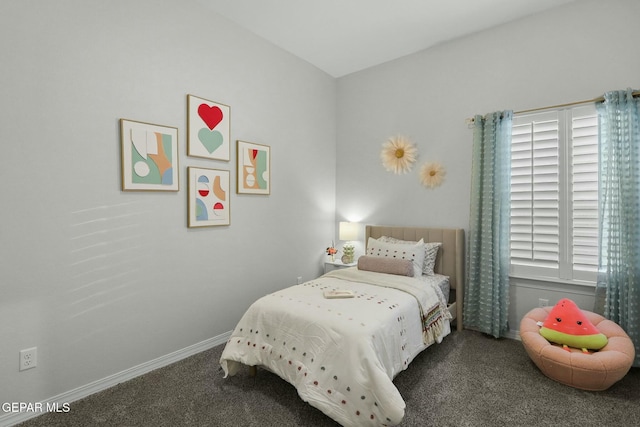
618, 286
486, 295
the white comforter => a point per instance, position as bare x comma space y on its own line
342, 354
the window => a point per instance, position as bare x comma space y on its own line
554, 194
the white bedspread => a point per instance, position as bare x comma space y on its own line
342, 354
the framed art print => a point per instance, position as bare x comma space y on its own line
149, 156
208, 203
254, 168
208, 129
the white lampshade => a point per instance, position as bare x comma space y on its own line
348, 231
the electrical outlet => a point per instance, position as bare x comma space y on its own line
543, 302
28, 358
299, 280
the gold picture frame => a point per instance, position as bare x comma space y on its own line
208, 129
149, 156
209, 203
253, 168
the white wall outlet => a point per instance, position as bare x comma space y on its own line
28, 358
299, 280
543, 302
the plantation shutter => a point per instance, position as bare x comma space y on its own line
554, 194
535, 193
584, 168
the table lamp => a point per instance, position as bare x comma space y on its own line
348, 231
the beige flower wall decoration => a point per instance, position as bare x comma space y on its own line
398, 154
432, 174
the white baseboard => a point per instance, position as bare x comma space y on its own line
513, 334
11, 419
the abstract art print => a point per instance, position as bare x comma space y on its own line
254, 170
149, 155
209, 129
208, 204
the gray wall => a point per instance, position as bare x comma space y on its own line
573, 53
102, 280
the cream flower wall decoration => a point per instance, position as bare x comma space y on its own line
398, 154
432, 174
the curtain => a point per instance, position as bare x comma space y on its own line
486, 296
618, 285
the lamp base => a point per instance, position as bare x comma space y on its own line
348, 250
346, 259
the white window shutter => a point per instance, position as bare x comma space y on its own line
584, 175
554, 194
534, 191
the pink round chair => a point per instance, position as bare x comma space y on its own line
594, 371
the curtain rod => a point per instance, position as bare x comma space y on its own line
635, 93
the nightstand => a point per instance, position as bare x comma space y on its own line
336, 265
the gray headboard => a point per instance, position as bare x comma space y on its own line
450, 261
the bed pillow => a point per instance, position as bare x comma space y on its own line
400, 267
414, 253
430, 255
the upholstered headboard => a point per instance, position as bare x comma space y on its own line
450, 261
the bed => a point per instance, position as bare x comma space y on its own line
342, 354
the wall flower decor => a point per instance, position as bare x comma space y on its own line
398, 154
432, 174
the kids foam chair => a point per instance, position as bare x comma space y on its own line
595, 371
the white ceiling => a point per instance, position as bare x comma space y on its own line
344, 36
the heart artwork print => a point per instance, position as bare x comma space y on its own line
211, 139
208, 129
210, 115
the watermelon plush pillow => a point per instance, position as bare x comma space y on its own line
567, 325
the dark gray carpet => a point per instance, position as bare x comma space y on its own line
468, 380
